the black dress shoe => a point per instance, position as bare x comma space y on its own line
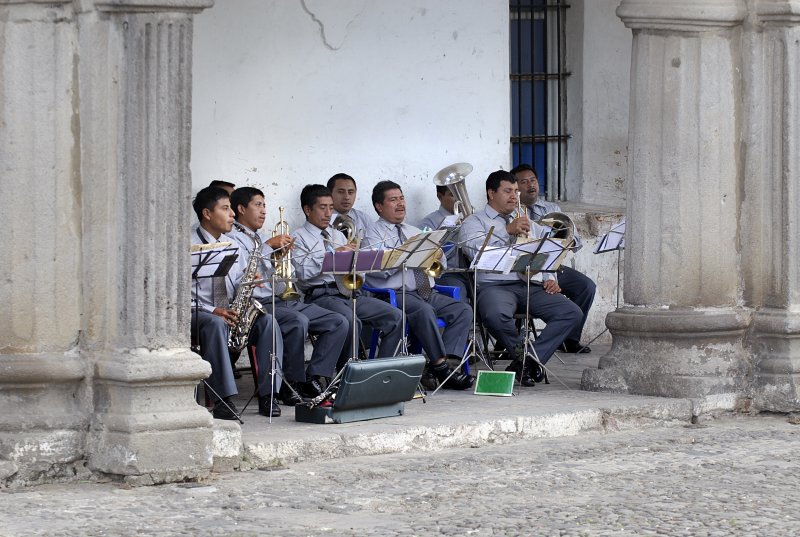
263, 407
311, 388
222, 412
572, 346
458, 381
289, 397
523, 376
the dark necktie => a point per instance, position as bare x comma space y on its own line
326, 238
220, 292
420, 277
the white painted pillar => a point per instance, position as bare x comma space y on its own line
682, 330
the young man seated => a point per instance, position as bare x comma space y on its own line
212, 316
296, 319
312, 241
422, 304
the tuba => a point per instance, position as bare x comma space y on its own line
453, 178
283, 262
246, 307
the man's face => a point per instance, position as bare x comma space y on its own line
504, 199
448, 201
219, 219
254, 214
344, 195
320, 213
528, 185
393, 208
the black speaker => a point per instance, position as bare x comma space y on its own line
369, 390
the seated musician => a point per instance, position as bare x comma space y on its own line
296, 319
422, 304
212, 316
343, 192
312, 241
454, 256
500, 296
574, 285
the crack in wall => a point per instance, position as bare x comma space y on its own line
321, 26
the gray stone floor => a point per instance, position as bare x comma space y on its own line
733, 476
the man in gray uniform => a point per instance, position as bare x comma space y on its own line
454, 256
575, 285
343, 192
211, 314
295, 318
500, 296
312, 241
422, 303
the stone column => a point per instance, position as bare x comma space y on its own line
42, 396
771, 208
681, 333
134, 76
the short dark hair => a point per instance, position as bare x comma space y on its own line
243, 196
496, 177
311, 193
380, 190
221, 184
523, 168
337, 177
207, 198
441, 189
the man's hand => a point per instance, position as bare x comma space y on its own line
281, 241
551, 287
519, 226
347, 247
228, 315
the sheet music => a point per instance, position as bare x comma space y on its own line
416, 251
495, 259
613, 240
205, 263
449, 221
554, 249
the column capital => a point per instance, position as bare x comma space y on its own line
150, 6
681, 15
778, 12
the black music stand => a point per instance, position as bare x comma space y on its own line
211, 261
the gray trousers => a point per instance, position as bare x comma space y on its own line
421, 317
296, 320
460, 280
375, 313
580, 289
212, 334
498, 302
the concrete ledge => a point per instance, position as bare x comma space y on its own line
460, 420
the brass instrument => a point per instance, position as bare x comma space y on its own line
352, 281
346, 225
453, 178
562, 226
521, 238
247, 308
283, 262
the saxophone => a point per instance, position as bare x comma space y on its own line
246, 307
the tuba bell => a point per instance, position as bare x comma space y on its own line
453, 177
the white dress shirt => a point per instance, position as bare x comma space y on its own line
202, 288
383, 235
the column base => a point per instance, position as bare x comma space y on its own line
674, 353
44, 423
776, 346
147, 426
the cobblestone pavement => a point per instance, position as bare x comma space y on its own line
737, 476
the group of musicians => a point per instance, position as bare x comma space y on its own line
323, 308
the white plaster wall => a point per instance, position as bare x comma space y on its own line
599, 58
289, 92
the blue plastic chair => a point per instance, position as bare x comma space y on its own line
414, 345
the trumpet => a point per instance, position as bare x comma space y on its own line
283, 261
523, 237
